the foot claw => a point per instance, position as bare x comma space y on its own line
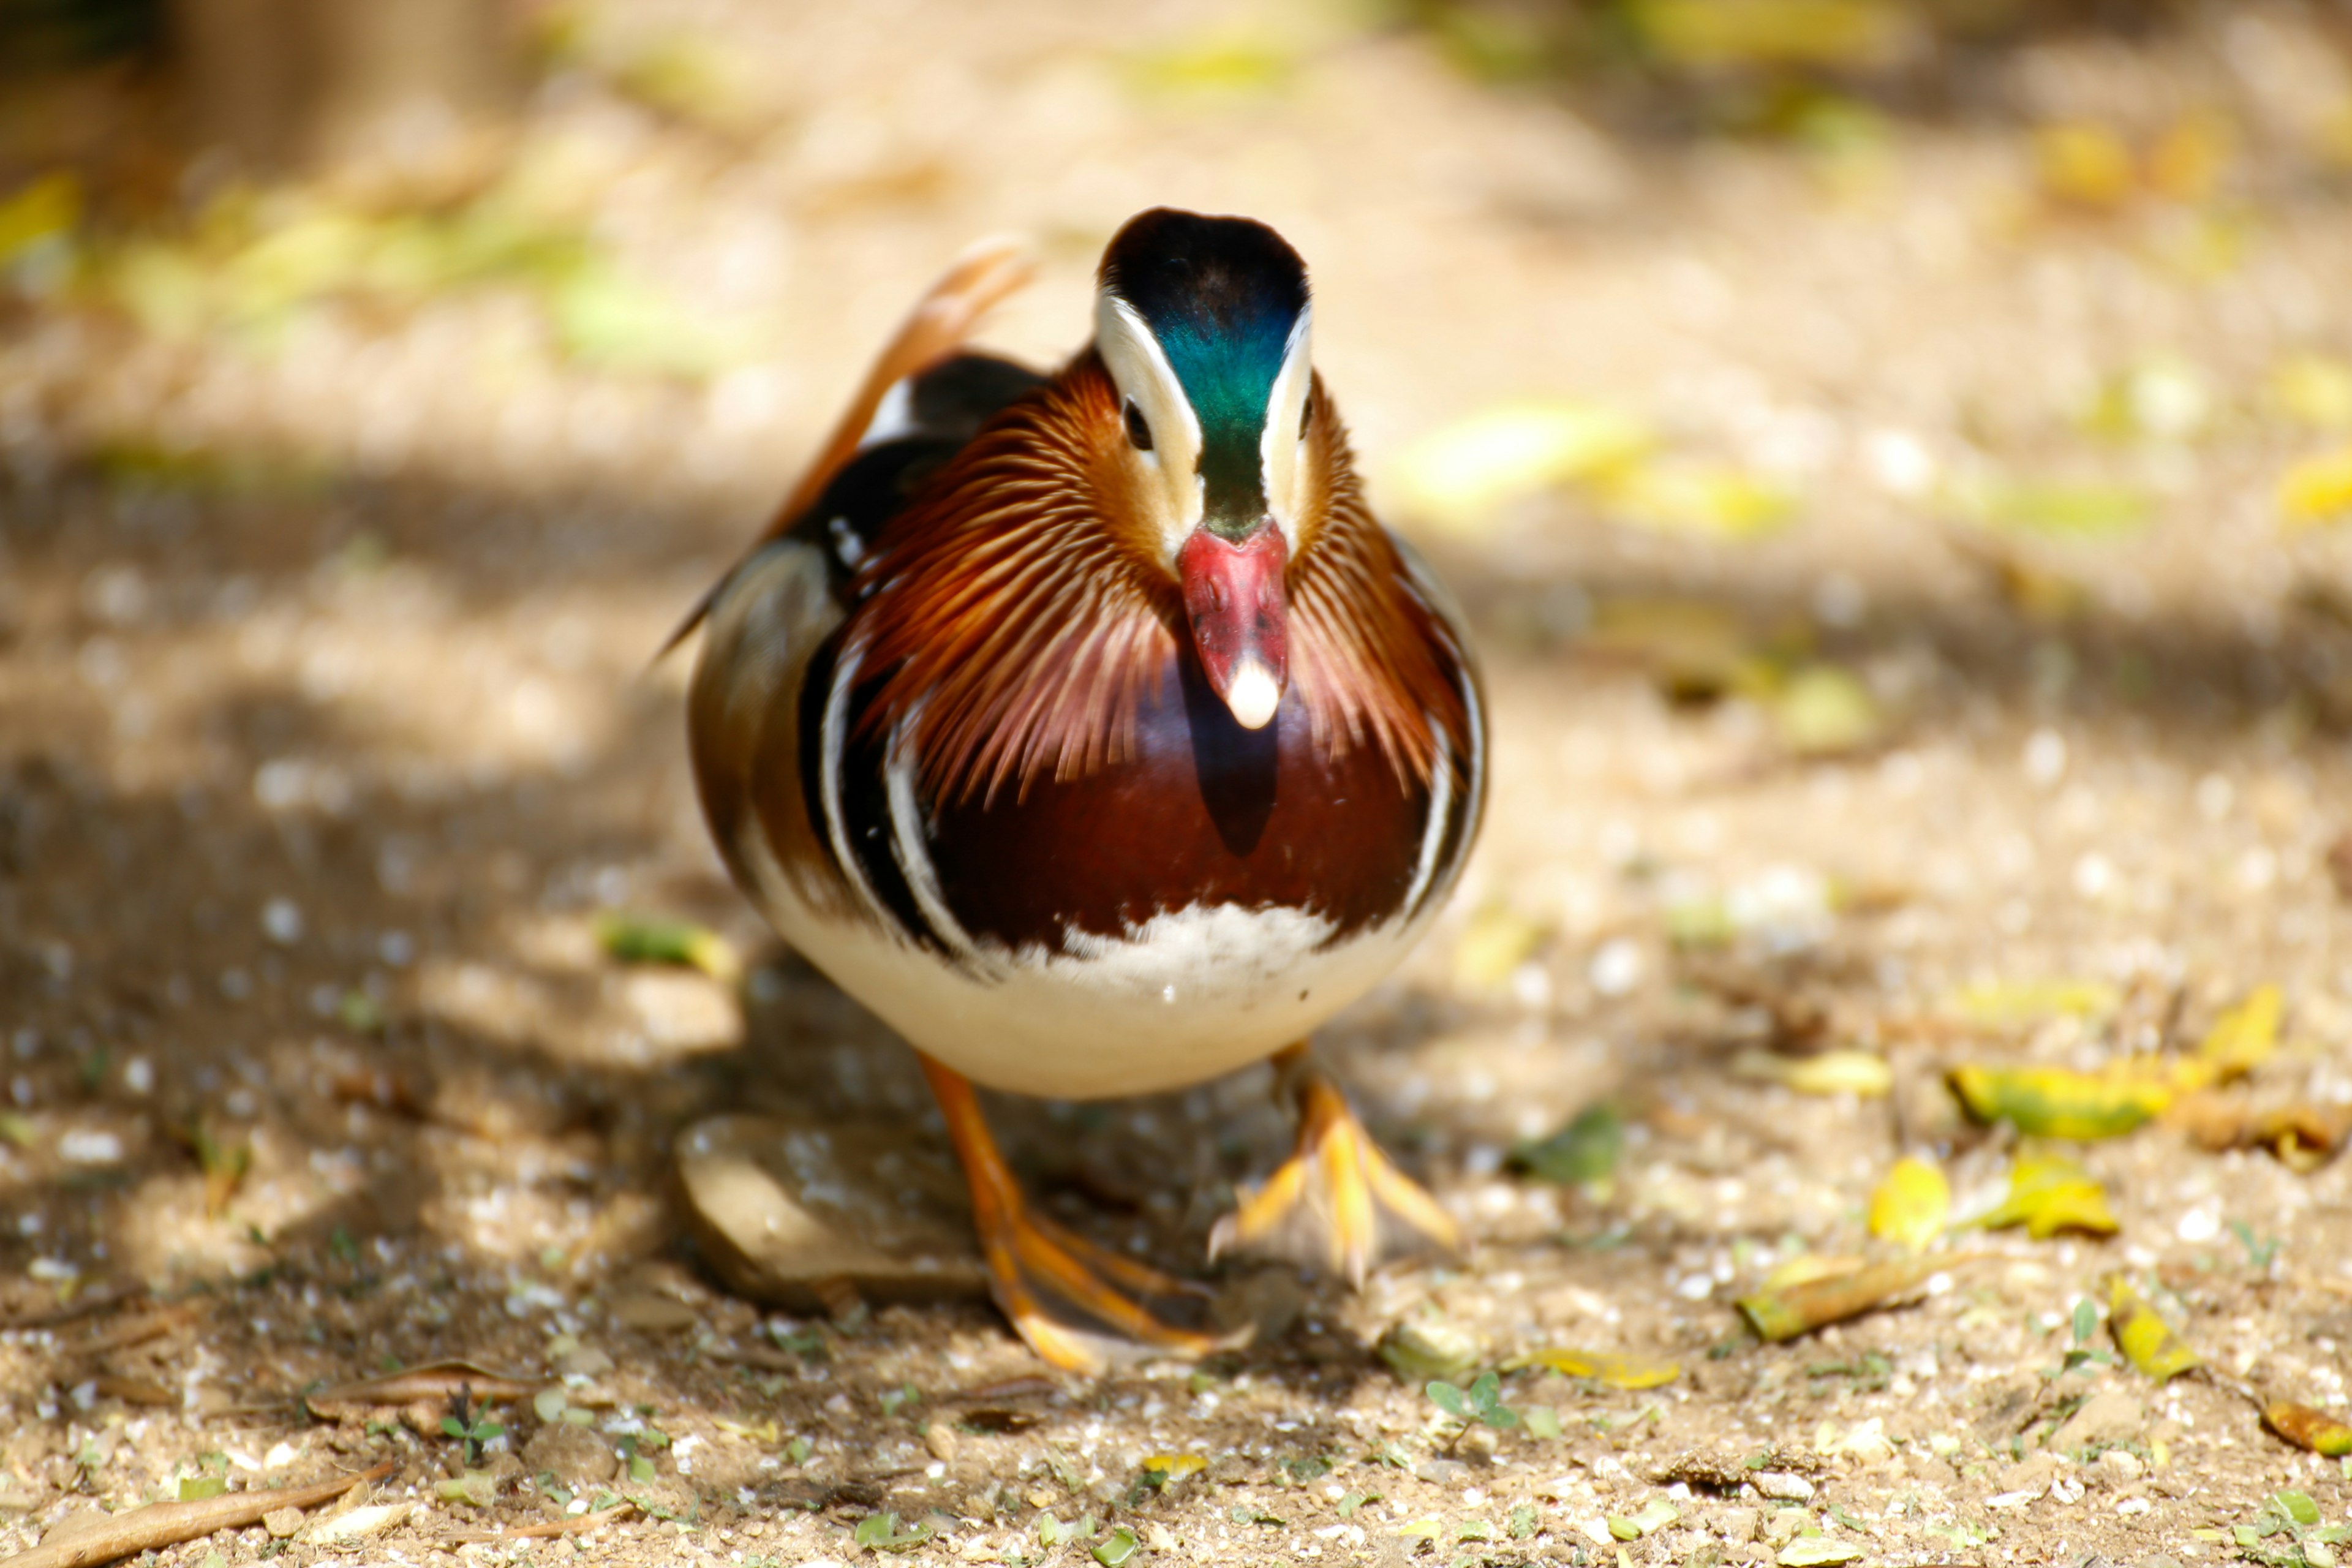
1078, 1304
1337, 1203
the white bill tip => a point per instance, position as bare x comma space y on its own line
1253, 695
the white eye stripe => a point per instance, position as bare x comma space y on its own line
1285, 427
1139, 369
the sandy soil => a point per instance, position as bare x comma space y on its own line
317, 770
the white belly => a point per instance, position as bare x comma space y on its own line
1186, 997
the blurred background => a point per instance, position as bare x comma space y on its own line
1891, 451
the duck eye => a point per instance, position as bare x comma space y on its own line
1138, 434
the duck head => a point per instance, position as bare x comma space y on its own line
1203, 324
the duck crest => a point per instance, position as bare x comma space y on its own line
1224, 298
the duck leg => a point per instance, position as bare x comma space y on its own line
1078, 1304
1336, 1204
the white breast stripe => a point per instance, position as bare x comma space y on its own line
1432, 834
836, 829
1477, 748
914, 858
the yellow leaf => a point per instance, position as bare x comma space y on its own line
1714, 32
2307, 1428
2061, 508
1175, 1466
2245, 1037
1497, 939
2166, 399
2317, 489
2315, 390
1234, 64
48, 208
1602, 1366
2000, 1003
1783, 1312
2058, 1103
2048, 1195
1693, 498
1912, 1206
2189, 161
2147, 1341
1806, 1267
1460, 476
2084, 164
1863, 1073
1824, 710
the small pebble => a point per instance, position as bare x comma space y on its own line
282, 1523
1616, 967
1782, 1486
940, 1440
281, 921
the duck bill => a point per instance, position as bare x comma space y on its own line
1240, 612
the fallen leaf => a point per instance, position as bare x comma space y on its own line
2048, 1195
2189, 160
1817, 1552
2245, 1037
2063, 508
2303, 1137
87, 1538
1497, 939
1605, 1367
1160, 1469
1783, 1312
1234, 63
2060, 1102
2084, 165
1856, 1072
1837, 33
2003, 1004
358, 1524
2147, 1341
1806, 1267
1585, 1150
2313, 389
1461, 476
1419, 1350
1710, 499
1911, 1206
2307, 1428
648, 938
432, 1381
2317, 489
1654, 1515
1824, 710
43, 209
2164, 399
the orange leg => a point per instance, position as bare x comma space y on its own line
1337, 1203
1033, 1262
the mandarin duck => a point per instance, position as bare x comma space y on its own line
1088, 729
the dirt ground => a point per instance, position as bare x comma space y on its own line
328, 733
